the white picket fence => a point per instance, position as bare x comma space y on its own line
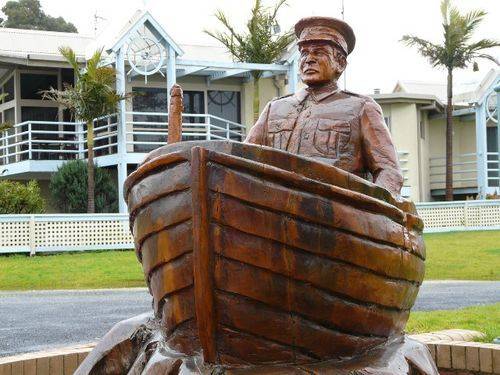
73, 232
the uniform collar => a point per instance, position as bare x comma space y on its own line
318, 94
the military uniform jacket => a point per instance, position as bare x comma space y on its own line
337, 127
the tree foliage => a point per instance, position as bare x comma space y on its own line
19, 198
28, 14
93, 96
260, 43
68, 188
456, 51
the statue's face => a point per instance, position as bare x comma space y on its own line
320, 63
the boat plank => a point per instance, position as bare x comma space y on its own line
327, 274
302, 298
289, 329
174, 178
166, 245
338, 246
285, 261
256, 350
267, 161
166, 211
309, 207
171, 277
178, 308
266, 224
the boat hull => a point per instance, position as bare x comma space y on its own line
257, 256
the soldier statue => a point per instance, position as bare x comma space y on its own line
338, 127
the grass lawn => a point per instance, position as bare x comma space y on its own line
89, 270
485, 319
458, 255
463, 255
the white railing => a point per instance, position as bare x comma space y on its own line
493, 169
148, 130
73, 232
64, 232
57, 140
464, 171
460, 215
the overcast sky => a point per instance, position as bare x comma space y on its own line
378, 61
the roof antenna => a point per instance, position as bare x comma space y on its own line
97, 18
345, 71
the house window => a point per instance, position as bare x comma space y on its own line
387, 121
155, 100
422, 129
32, 84
8, 88
226, 105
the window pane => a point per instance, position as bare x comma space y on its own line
149, 100
32, 84
10, 116
8, 88
194, 102
225, 104
68, 76
38, 114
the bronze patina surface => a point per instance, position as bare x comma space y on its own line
279, 255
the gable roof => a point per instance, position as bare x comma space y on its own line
139, 18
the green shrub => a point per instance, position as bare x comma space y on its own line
68, 189
19, 198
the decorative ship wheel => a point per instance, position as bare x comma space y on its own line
145, 56
491, 107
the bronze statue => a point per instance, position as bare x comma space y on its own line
282, 259
338, 127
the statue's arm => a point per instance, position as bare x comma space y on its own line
257, 132
379, 151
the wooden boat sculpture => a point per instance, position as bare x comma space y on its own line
255, 255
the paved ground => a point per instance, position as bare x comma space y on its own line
32, 321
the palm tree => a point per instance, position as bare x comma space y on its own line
457, 51
260, 44
92, 96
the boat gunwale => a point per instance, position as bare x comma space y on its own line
178, 156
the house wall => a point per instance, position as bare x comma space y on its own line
404, 132
464, 152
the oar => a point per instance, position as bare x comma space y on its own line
175, 114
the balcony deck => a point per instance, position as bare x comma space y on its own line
32, 148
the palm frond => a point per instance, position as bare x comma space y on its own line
70, 56
260, 43
456, 51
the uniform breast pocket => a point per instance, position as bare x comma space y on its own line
279, 132
331, 136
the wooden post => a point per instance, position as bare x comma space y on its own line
175, 114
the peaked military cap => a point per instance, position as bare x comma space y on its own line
328, 29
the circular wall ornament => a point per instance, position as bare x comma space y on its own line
491, 107
145, 56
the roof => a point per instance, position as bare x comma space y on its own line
396, 97
39, 44
437, 89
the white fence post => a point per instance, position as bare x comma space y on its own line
80, 139
32, 234
208, 129
29, 142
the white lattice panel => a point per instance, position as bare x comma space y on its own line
435, 217
82, 233
14, 234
